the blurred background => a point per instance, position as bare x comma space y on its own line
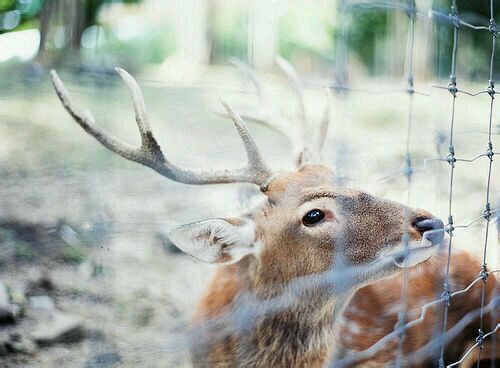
88, 276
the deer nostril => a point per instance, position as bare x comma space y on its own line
431, 229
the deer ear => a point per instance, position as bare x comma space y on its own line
216, 240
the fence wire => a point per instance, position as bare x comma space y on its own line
408, 171
452, 19
340, 85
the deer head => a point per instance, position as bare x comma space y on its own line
306, 224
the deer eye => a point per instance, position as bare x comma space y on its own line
313, 217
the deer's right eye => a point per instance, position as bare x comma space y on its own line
313, 217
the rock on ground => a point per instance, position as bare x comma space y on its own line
19, 344
8, 314
103, 360
59, 328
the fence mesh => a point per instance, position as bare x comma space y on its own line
454, 161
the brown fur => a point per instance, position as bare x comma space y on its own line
301, 334
369, 315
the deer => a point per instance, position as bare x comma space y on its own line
361, 328
289, 267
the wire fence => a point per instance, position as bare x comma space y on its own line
452, 19
409, 7
437, 344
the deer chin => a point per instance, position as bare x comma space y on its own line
417, 252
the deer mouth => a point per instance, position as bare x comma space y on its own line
414, 253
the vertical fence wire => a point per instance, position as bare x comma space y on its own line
341, 47
339, 83
251, 34
440, 142
451, 159
408, 174
494, 314
489, 154
452, 88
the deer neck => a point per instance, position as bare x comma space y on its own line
265, 321
299, 320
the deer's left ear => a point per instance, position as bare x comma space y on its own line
216, 240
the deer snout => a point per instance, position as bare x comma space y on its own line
431, 228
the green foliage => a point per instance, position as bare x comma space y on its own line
29, 8
229, 38
17, 14
92, 9
6, 4
474, 46
151, 45
365, 28
306, 30
20, 13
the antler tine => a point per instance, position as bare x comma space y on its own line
322, 130
312, 153
297, 88
255, 160
141, 116
150, 154
264, 115
87, 121
240, 64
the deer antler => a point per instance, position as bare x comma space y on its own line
248, 71
307, 150
297, 88
313, 152
150, 154
265, 114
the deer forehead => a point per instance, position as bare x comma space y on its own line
294, 189
359, 215
286, 214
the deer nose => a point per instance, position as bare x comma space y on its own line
431, 229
